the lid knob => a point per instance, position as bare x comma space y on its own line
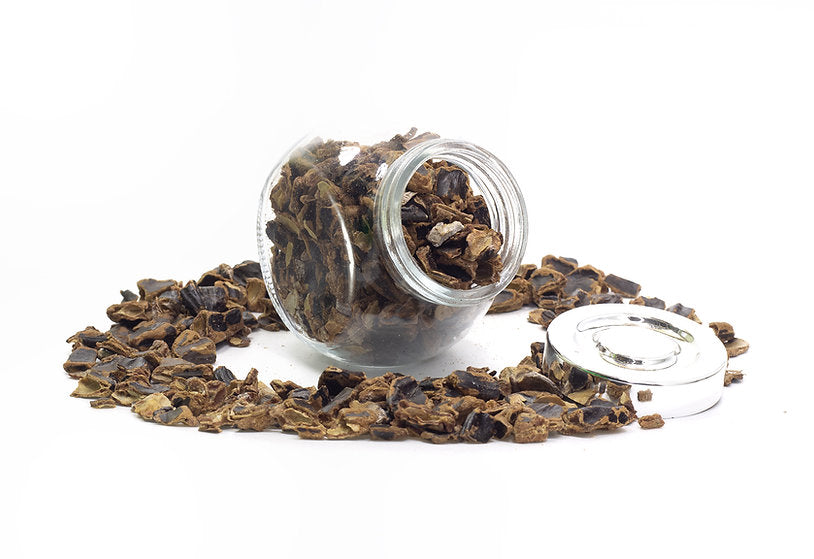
633, 346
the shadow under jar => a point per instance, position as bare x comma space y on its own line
386, 254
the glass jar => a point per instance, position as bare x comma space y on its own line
341, 266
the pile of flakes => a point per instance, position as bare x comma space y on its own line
158, 358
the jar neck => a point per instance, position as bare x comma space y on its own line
507, 211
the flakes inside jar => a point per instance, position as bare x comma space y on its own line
326, 263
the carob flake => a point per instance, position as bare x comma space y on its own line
478, 427
724, 331
621, 286
654, 302
686, 312
731, 376
653, 421
736, 347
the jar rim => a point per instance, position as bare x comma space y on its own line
503, 198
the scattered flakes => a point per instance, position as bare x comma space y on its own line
224, 375
87, 338
595, 417
175, 416
158, 357
150, 288
584, 278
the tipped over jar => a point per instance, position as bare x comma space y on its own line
387, 253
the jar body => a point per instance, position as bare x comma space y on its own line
336, 260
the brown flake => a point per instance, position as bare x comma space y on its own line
731, 376
506, 301
724, 331
653, 421
81, 359
530, 427
596, 417
474, 382
621, 286
190, 346
654, 302
687, 312
561, 264
545, 281
543, 317
478, 427
425, 417
644, 395
149, 289
94, 385
103, 403
388, 433
335, 379
736, 347
585, 278
148, 405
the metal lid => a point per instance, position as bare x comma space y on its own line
681, 362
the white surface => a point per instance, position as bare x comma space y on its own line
666, 142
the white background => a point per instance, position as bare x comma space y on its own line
667, 142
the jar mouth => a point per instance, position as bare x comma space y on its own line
504, 201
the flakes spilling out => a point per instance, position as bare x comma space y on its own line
160, 358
